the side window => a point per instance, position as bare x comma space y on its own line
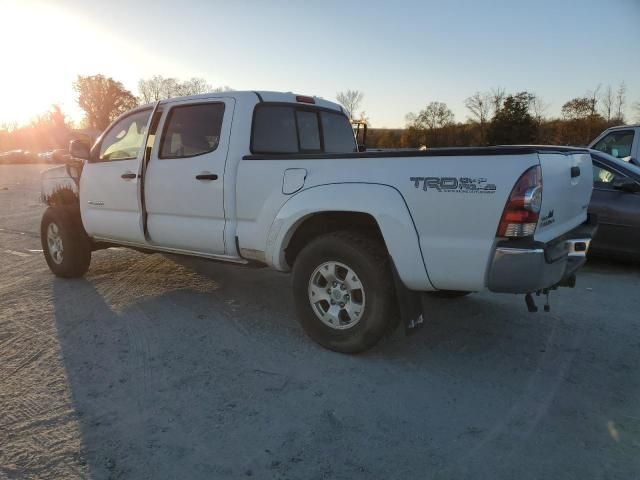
192, 130
338, 134
274, 130
603, 177
124, 140
617, 144
295, 129
308, 130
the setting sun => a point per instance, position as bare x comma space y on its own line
45, 48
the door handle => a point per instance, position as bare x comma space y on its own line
575, 172
206, 176
128, 175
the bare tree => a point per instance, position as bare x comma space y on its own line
350, 100
621, 101
607, 100
498, 95
479, 105
102, 99
160, 88
194, 86
150, 89
593, 96
538, 107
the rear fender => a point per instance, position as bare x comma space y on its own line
385, 204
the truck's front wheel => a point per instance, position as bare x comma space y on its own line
65, 244
343, 291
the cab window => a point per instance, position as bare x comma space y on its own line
124, 140
192, 130
617, 144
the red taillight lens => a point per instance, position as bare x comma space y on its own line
305, 99
522, 210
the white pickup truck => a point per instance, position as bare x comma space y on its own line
276, 179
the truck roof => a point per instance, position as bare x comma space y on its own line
256, 95
622, 127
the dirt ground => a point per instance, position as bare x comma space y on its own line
167, 367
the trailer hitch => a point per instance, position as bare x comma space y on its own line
531, 303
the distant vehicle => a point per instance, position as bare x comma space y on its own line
276, 179
60, 155
616, 203
622, 142
18, 156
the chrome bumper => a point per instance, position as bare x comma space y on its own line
526, 270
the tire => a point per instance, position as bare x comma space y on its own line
361, 265
449, 294
66, 246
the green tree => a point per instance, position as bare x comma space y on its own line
513, 124
102, 99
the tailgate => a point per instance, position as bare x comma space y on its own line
567, 181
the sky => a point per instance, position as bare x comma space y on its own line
401, 54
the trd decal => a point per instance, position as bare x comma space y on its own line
454, 184
547, 219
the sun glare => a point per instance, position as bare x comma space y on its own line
44, 48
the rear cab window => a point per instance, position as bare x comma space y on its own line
290, 128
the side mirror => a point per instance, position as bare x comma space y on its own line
79, 149
626, 185
362, 148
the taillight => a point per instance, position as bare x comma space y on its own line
521, 213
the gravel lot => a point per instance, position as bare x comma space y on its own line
167, 367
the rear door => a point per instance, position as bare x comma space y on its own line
184, 177
109, 195
567, 183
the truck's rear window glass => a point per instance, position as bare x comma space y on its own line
338, 134
308, 130
274, 130
279, 128
192, 130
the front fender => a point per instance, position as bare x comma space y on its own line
385, 204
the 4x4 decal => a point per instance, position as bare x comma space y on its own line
454, 184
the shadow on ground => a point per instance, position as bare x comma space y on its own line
180, 368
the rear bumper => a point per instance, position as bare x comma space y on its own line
521, 268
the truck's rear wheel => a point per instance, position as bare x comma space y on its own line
65, 244
343, 291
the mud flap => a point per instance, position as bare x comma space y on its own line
409, 304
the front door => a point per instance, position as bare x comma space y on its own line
110, 200
617, 213
183, 188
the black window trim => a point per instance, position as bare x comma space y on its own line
317, 109
98, 145
165, 125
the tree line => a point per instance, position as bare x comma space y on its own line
494, 116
